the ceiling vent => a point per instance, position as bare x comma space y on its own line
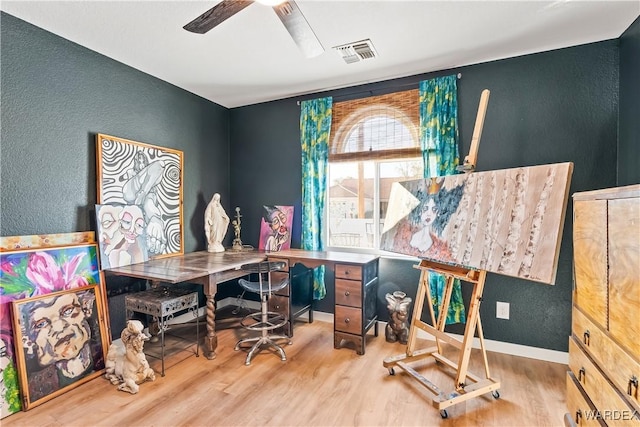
356, 51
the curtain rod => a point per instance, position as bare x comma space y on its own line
370, 92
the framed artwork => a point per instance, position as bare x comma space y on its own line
15, 243
506, 221
122, 235
34, 272
132, 173
63, 342
275, 228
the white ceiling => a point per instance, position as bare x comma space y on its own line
250, 58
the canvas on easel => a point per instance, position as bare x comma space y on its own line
462, 226
505, 221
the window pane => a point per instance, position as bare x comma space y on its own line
353, 220
351, 203
377, 133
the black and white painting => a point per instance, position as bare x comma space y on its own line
145, 179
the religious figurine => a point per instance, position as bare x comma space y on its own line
126, 364
216, 223
237, 242
397, 329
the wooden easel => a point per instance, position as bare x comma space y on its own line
462, 389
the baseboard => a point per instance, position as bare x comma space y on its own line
491, 345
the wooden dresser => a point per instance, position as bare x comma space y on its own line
604, 347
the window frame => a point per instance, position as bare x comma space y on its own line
365, 109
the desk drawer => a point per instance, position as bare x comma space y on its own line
348, 292
348, 319
279, 304
351, 272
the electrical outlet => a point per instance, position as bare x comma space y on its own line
502, 310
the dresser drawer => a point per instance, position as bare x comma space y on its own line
348, 319
348, 292
603, 395
617, 364
580, 408
351, 272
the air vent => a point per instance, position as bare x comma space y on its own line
357, 51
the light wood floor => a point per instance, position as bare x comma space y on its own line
317, 386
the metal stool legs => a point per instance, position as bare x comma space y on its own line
264, 320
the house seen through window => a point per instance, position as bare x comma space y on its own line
374, 143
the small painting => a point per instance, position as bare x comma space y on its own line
61, 342
132, 173
16, 243
30, 273
505, 221
121, 235
275, 228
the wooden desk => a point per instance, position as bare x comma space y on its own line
356, 284
203, 268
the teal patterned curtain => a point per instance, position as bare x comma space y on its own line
439, 135
315, 126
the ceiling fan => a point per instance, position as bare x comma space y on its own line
287, 10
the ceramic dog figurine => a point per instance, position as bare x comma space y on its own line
126, 364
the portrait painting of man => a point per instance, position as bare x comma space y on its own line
60, 342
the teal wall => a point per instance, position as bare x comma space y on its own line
56, 96
629, 144
550, 107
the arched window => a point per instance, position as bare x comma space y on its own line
374, 143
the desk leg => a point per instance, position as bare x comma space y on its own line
211, 339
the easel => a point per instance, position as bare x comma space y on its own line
462, 391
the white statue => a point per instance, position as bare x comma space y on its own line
216, 223
126, 362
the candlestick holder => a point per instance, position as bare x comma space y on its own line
237, 241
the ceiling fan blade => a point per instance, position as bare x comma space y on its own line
299, 28
216, 15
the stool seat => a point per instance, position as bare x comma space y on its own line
257, 287
263, 320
